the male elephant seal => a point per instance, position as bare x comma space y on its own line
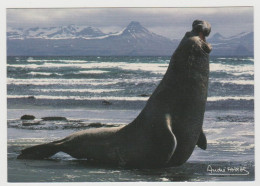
167, 130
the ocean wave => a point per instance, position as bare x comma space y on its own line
248, 59
54, 125
44, 73
232, 69
229, 59
231, 144
110, 81
211, 131
29, 66
237, 59
233, 81
61, 81
235, 118
79, 90
223, 98
95, 98
157, 68
243, 73
92, 72
30, 60
115, 98
25, 141
52, 81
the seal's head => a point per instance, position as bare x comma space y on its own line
199, 26
202, 29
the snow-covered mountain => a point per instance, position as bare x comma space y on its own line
240, 44
62, 32
72, 40
132, 40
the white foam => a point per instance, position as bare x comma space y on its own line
248, 59
237, 59
31, 66
40, 73
108, 98
46, 81
215, 98
60, 82
233, 81
242, 73
30, 60
158, 68
43, 73
214, 130
92, 72
234, 145
222, 98
153, 67
243, 69
79, 90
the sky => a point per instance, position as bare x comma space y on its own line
169, 22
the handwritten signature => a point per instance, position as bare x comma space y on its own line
227, 171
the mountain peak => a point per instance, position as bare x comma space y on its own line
134, 24
217, 36
72, 27
242, 34
91, 32
135, 28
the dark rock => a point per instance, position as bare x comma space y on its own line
113, 125
31, 124
95, 125
145, 95
106, 102
31, 97
28, 117
54, 118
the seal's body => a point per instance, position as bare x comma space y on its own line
166, 131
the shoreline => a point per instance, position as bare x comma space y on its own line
225, 149
16, 103
82, 171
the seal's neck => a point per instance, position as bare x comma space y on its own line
204, 45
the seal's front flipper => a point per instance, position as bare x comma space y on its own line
202, 141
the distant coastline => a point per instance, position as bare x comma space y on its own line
134, 40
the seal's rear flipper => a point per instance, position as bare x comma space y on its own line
202, 141
39, 151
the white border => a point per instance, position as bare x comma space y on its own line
116, 3
124, 3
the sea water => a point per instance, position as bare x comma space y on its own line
111, 91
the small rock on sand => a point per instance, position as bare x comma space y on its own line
54, 118
28, 117
30, 124
106, 102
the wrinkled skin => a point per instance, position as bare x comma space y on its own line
166, 131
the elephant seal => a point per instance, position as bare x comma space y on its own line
169, 127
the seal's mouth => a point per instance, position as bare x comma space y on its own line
202, 36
